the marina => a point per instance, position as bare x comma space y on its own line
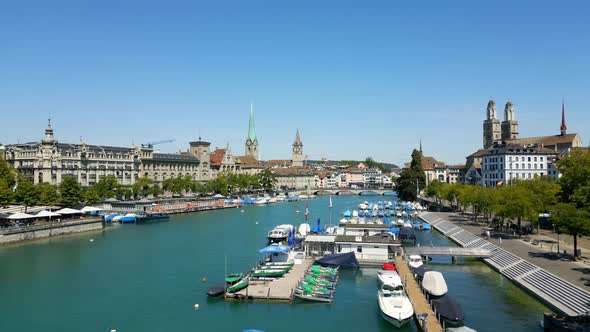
172, 258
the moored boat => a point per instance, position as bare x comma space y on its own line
415, 261
394, 305
243, 283
280, 233
389, 277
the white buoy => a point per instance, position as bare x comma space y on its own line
113, 330
242, 211
257, 223
91, 240
196, 307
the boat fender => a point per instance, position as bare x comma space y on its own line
204, 280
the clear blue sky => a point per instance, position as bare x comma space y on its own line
358, 80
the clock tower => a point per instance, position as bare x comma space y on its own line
297, 151
251, 140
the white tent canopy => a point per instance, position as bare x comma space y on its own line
20, 215
68, 211
218, 196
45, 213
91, 209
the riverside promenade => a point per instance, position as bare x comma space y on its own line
557, 283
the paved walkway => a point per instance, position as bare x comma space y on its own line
520, 262
578, 273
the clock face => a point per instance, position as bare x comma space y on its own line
296, 149
248, 142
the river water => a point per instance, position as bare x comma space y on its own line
148, 278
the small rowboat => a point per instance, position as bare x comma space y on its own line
239, 285
233, 278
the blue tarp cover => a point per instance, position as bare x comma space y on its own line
346, 260
407, 233
448, 308
274, 249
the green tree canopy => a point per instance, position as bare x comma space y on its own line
575, 179
406, 184
26, 193
70, 191
47, 193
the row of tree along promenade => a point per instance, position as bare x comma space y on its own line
566, 200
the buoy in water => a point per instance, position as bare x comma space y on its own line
242, 211
257, 223
113, 330
297, 211
196, 307
91, 240
204, 280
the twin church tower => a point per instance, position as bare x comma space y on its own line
252, 146
493, 131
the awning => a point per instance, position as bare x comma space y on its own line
320, 238
90, 209
45, 213
274, 249
68, 211
20, 215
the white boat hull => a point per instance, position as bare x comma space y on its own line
395, 322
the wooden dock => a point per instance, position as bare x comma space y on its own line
417, 298
278, 290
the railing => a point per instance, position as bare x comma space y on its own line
50, 225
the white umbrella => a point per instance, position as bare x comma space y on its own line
68, 211
218, 196
20, 215
90, 209
45, 213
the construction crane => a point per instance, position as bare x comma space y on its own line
151, 144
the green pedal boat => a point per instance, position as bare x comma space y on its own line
268, 273
239, 285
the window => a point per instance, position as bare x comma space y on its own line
359, 249
535, 159
529, 158
540, 158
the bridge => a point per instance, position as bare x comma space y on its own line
448, 251
343, 191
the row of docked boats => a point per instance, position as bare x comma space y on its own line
318, 285
270, 200
433, 283
134, 217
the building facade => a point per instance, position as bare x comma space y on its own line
50, 161
506, 163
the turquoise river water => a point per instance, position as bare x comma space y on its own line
148, 277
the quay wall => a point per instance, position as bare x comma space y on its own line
50, 230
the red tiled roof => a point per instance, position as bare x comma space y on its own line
217, 157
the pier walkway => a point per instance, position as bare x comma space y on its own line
448, 251
417, 298
278, 290
562, 295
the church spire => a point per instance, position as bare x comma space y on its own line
251, 132
297, 138
420, 145
563, 126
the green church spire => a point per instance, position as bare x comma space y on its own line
251, 132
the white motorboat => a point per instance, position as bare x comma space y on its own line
273, 200
398, 214
389, 277
434, 283
355, 213
415, 261
260, 201
408, 224
303, 229
399, 222
394, 305
280, 233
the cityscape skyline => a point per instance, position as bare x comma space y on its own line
389, 75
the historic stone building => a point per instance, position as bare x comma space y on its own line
50, 161
297, 151
252, 148
491, 126
509, 125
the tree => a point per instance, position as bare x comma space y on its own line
26, 193
435, 190
70, 191
47, 193
543, 193
572, 221
142, 187
91, 196
516, 201
7, 181
410, 178
107, 186
266, 179
575, 179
